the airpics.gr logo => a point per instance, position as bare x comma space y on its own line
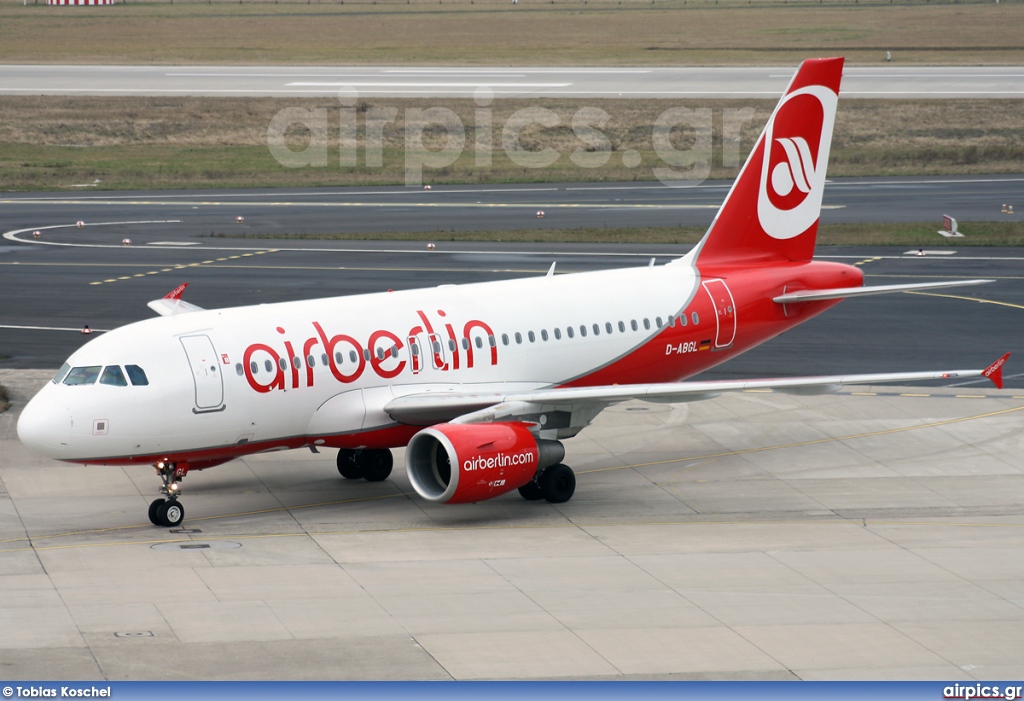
796, 144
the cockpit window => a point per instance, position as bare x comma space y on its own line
137, 375
113, 375
83, 375
61, 374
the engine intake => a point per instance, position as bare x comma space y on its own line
463, 463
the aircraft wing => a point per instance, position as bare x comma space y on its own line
172, 303
466, 407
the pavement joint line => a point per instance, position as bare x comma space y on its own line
816, 522
100, 531
800, 444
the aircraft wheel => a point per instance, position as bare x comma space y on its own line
170, 513
557, 483
376, 464
153, 509
348, 466
531, 491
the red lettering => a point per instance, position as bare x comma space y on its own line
380, 359
476, 324
306, 348
294, 365
455, 343
329, 347
378, 362
277, 382
434, 339
415, 348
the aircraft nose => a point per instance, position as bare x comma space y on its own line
45, 427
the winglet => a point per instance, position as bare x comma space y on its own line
172, 303
994, 371
176, 292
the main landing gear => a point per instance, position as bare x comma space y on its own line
370, 465
556, 484
168, 511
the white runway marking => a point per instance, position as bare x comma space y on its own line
430, 85
50, 328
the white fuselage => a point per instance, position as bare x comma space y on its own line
231, 381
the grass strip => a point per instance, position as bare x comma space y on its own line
125, 143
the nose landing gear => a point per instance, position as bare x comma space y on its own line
168, 511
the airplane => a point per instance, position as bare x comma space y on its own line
481, 382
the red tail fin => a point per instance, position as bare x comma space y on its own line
771, 213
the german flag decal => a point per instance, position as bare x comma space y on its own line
705, 345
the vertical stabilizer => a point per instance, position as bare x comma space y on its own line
771, 213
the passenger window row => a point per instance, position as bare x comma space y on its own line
311, 361
598, 329
557, 333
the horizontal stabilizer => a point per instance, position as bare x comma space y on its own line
172, 303
994, 372
847, 292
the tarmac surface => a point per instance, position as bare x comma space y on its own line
899, 82
754, 536
449, 208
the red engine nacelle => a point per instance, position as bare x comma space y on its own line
461, 463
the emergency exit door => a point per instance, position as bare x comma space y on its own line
725, 312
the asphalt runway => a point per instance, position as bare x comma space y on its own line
498, 207
899, 82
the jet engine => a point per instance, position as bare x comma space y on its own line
462, 463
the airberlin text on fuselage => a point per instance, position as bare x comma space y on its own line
387, 354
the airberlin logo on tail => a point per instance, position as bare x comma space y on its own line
796, 147
798, 169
